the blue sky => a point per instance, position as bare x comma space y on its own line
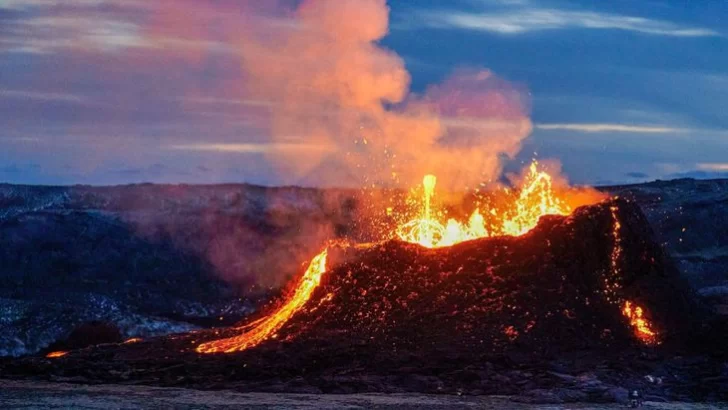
618, 91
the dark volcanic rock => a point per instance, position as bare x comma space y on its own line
690, 218
88, 334
491, 316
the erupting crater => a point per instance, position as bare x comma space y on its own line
491, 305
535, 273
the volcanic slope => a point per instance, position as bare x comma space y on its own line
400, 317
562, 286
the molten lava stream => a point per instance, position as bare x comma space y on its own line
635, 314
268, 326
642, 328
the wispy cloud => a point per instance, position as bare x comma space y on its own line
527, 19
249, 148
22, 5
226, 101
42, 96
45, 34
487, 124
639, 129
713, 166
20, 139
49, 26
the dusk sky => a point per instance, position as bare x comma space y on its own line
125, 91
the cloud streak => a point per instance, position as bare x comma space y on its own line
42, 96
251, 148
596, 128
90, 26
713, 166
525, 20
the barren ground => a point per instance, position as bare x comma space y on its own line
40, 395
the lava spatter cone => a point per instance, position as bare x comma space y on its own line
564, 285
399, 316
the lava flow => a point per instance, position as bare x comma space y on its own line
643, 329
535, 199
641, 326
267, 327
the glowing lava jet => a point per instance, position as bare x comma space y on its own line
536, 198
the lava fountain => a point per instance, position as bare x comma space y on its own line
536, 199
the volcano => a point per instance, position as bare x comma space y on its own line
573, 282
397, 316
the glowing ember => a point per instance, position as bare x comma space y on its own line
611, 284
133, 340
54, 355
267, 327
642, 327
536, 199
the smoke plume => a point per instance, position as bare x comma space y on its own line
335, 108
332, 90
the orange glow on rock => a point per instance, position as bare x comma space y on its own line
642, 327
55, 355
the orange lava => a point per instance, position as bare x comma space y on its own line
133, 340
268, 327
54, 355
642, 327
536, 199
611, 284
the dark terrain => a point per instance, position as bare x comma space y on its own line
39, 395
161, 259
690, 219
150, 260
537, 316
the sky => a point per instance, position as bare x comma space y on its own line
304, 91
